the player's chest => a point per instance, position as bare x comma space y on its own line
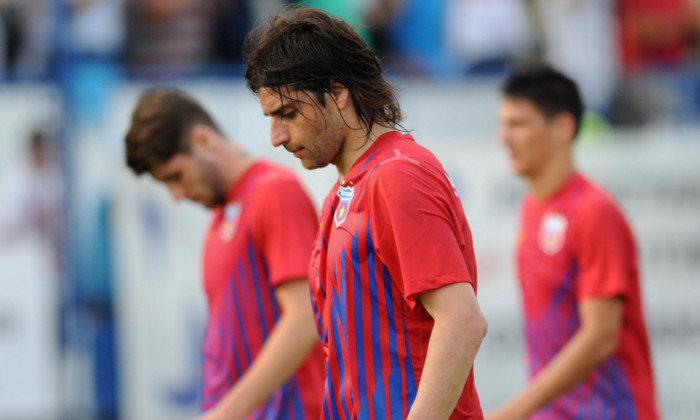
346, 216
546, 259
228, 243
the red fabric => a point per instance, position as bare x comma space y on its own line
283, 226
577, 246
392, 229
654, 32
260, 238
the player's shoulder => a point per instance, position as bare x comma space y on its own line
272, 175
595, 203
404, 155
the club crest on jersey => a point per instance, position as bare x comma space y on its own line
341, 213
552, 233
230, 222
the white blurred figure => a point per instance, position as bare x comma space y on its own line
578, 37
30, 220
33, 196
97, 27
483, 30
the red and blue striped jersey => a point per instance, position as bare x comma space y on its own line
574, 246
392, 229
259, 239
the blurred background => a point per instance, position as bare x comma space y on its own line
101, 309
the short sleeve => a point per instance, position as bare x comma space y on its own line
605, 252
418, 227
283, 226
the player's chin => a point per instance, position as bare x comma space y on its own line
309, 163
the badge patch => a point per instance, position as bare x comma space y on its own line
341, 213
552, 233
230, 223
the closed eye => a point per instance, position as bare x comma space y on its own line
289, 115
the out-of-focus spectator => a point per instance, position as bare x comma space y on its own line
414, 34
168, 36
577, 36
232, 20
657, 32
661, 77
97, 28
482, 31
25, 38
32, 203
380, 17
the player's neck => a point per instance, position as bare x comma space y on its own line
356, 145
551, 177
234, 162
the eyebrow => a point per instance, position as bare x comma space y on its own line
278, 111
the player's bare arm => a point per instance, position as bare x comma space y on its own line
285, 349
456, 337
596, 340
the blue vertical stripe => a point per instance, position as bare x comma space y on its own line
395, 387
411, 386
378, 396
336, 314
359, 327
256, 289
241, 324
272, 298
332, 395
298, 404
229, 339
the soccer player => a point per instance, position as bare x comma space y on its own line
393, 274
262, 358
586, 338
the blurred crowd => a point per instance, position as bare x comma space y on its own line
612, 47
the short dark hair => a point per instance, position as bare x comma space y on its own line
160, 126
306, 49
550, 90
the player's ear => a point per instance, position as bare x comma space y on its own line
340, 94
564, 127
202, 136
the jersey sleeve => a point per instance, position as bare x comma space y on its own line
284, 225
415, 225
605, 252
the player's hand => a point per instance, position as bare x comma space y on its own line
506, 412
215, 414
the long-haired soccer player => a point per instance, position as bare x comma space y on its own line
393, 274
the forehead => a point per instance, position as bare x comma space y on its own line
514, 107
176, 164
273, 100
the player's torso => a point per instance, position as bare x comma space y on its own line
549, 274
242, 305
361, 311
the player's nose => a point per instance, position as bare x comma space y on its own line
503, 136
278, 134
176, 192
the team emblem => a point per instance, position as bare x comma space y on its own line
230, 223
552, 233
341, 213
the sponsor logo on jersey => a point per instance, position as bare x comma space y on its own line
228, 227
341, 213
552, 233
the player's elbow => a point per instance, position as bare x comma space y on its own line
473, 325
479, 326
608, 343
